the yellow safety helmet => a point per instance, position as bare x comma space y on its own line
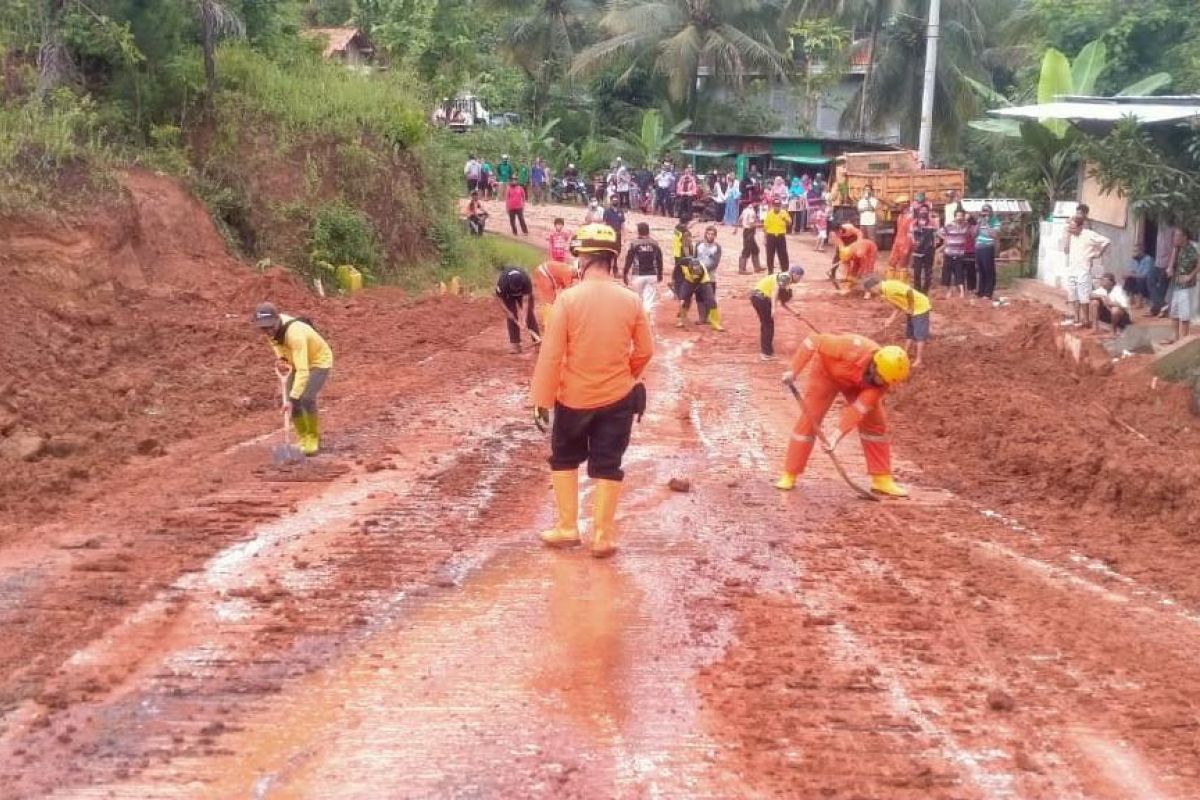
595, 238
891, 364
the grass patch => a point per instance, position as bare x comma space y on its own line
304, 95
474, 264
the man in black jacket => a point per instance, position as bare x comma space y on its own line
645, 259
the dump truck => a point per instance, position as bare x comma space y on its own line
896, 178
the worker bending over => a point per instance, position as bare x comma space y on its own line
697, 283
908, 301
549, 279
862, 372
514, 292
308, 360
775, 289
856, 254
596, 347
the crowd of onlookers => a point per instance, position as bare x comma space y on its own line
780, 207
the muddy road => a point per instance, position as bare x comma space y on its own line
384, 623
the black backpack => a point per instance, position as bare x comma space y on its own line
282, 332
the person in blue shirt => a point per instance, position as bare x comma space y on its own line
1137, 279
985, 251
538, 178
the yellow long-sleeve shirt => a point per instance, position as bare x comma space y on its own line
304, 349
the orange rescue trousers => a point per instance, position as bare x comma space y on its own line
818, 397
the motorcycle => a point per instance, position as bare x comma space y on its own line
566, 190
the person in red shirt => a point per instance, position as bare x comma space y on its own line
856, 255
588, 370
514, 203
559, 240
862, 372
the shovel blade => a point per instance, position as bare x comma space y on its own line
286, 454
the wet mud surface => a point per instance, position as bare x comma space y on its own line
383, 622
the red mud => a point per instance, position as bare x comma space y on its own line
384, 623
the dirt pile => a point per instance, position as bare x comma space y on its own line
1003, 413
127, 331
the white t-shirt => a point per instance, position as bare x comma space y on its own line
866, 210
1116, 296
1082, 250
749, 218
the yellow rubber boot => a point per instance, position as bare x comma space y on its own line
786, 482
566, 495
300, 426
885, 484
714, 319
313, 444
604, 515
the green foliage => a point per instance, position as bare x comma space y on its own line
1160, 175
39, 140
341, 234
305, 95
653, 141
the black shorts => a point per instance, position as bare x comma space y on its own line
1104, 314
598, 436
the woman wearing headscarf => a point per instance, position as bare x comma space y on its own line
798, 205
779, 191
733, 197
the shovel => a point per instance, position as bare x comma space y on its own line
285, 452
796, 314
864, 493
537, 339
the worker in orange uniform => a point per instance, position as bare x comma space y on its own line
902, 244
862, 372
307, 359
856, 254
588, 370
549, 279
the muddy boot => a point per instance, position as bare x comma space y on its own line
679, 319
311, 445
300, 426
786, 482
604, 514
514, 348
885, 484
714, 319
566, 494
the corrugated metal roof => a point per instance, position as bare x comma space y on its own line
1001, 205
1100, 110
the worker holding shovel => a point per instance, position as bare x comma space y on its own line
307, 359
908, 301
775, 289
588, 370
514, 292
549, 280
861, 371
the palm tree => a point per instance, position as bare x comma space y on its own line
217, 21
891, 91
654, 139
676, 38
541, 38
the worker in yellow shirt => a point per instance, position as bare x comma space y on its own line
308, 359
913, 304
776, 224
770, 291
697, 283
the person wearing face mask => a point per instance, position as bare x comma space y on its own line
923, 234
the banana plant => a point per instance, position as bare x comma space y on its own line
652, 142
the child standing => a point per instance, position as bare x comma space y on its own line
820, 223
559, 240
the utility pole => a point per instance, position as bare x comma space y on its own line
932, 34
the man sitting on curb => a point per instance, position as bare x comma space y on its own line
1111, 304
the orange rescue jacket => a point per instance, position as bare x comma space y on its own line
596, 345
550, 278
842, 359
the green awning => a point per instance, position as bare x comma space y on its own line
708, 153
813, 161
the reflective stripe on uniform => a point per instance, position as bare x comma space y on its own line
799, 437
810, 344
874, 437
861, 407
